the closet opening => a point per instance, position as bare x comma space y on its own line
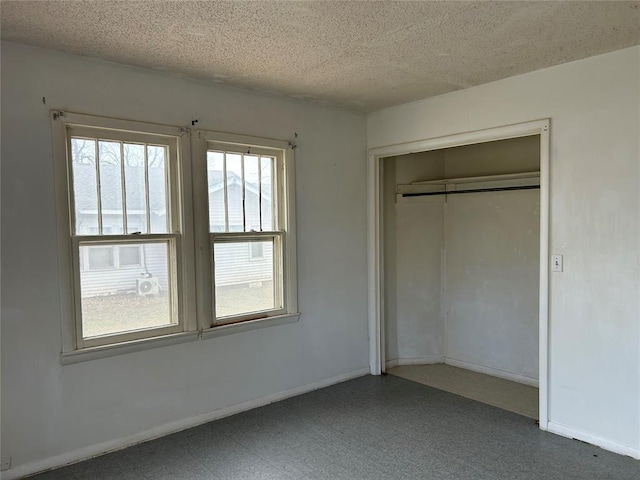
461, 265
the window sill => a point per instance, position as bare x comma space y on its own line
105, 351
221, 330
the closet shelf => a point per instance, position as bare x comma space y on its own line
485, 183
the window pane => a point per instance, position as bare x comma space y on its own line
244, 285
85, 190
110, 186
256, 250
101, 257
135, 188
234, 191
215, 179
158, 200
121, 300
130, 256
266, 179
251, 193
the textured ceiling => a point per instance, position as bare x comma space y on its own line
363, 55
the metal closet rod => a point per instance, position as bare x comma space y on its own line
457, 192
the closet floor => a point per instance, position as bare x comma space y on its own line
498, 392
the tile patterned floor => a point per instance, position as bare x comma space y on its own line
501, 393
369, 428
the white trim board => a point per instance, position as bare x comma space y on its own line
594, 440
428, 360
375, 228
169, 428
494, 372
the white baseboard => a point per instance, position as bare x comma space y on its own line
594, 440
494, 372
430, 359
172, 427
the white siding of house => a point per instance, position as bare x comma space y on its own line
118, 280
233, 263
234, 266
109, 281
252, 206
156, 262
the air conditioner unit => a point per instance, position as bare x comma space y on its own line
147, 286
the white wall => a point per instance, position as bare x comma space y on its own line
515, 155
413, 235
492, 242
594, 318
49, 411
461, 273
418, 282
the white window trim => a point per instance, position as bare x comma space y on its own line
196, 306
182, 213
202, 140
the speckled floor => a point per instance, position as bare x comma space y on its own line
501, 393
369, 428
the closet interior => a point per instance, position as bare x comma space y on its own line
461, 270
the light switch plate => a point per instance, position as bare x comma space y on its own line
556, 263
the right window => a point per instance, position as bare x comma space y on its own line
249, 227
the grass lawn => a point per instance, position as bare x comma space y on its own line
110, 314
124, 312
243, 299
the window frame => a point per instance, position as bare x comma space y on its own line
66, 125
278, 239
193, 265
284, 196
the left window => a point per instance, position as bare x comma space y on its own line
124, 231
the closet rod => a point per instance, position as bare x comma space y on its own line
456, 192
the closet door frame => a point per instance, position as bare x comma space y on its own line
375, 229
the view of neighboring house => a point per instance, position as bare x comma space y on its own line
113, 269
239, 263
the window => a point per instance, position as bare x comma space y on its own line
130, 256
96, 258
124, 229
256, 250
149, 214
250, 227
99, 257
